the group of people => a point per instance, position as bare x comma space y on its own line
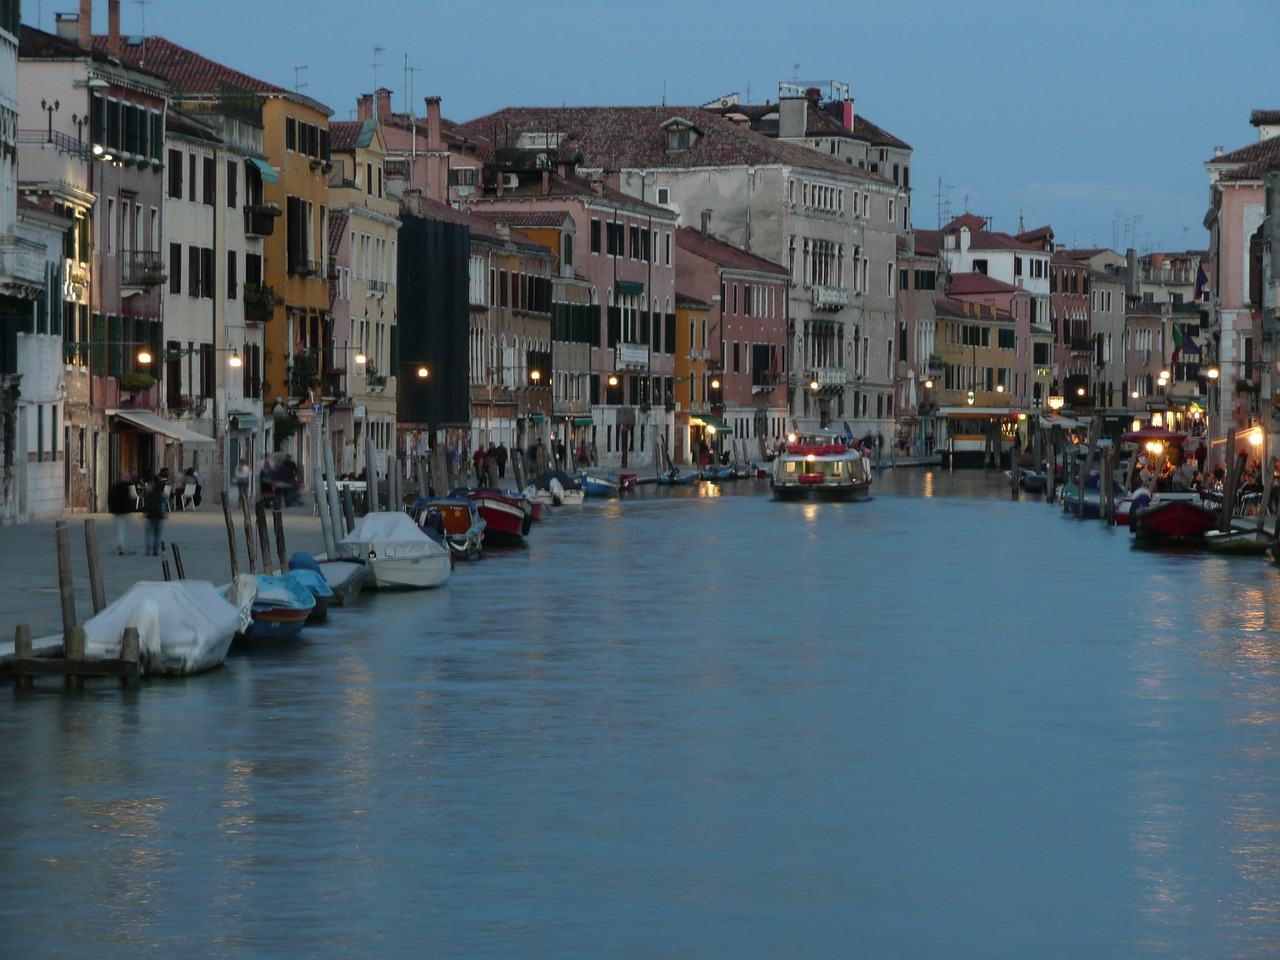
275, 480
156, 496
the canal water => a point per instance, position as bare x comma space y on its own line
695, 723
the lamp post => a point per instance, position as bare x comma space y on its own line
50, 108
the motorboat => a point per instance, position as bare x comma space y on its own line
1244, 538
1088, 505
456, 521
398, 553
507, 516
599, 483
184, 626
556, 488
1031, 481
344, 578
820, 465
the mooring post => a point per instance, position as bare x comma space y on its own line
277, 519
249, 549
66, 589
96, 592
177, 562
73, 646
231, 534
264, 541
131, 652
23, 649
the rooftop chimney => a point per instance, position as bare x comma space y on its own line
1217, 151
793, 118
113, 29
434, 140
364, 107
68, 26
706, 223
384, 103
86, 25
504, 230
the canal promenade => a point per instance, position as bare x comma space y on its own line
29, 560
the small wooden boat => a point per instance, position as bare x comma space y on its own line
1170, 520
599, 483
556, 488
674, 478
1243, 539
280, 607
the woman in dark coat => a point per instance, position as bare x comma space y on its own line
154, 508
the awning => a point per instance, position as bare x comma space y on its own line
536, 417
269, 173
630, 287
152, 423
707, 420
583, 422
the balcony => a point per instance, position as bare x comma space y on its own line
21, 267
376, 288
829, 298
141, 269
1080, 345
305, 268
828, 378
765, 382
260, 302
570, 408
260, 219
631, 356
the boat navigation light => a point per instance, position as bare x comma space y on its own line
791, 438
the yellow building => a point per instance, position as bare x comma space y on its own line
692, 390
360, 373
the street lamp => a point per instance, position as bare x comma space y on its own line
1055, 403
423, 372
50, 108
969, 398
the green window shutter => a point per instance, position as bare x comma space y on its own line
615, 326
115, 346
98, 346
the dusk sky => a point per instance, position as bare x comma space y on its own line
1093, 117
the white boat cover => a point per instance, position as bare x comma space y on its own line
392, 535
184, 626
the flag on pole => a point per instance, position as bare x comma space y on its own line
1202, 283
1190, 345
1177, 341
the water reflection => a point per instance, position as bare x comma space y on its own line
948, 722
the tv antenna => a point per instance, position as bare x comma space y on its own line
298, 82
408, 85
376, 51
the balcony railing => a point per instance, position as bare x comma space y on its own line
570, 408
56, 139
141, 268
829, 298
631, 356
376, 288
829, 376
305, 268
22, 261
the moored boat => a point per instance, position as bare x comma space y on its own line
304, 568
184, 626
280, 607
456, 520
599, 483
820, 465
398, 553
1171, 520
507, 518
557, 489
1244, 538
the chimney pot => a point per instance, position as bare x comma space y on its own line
86, 24
383, 96
113, 29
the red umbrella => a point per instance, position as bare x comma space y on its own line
1149, 433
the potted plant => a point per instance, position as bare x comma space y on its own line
136, 382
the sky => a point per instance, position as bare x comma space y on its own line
1094, 118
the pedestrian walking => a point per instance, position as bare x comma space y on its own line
154, 508
244, 476
500, 457
120, 505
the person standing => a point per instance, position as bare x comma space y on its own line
244, 476
154, 508
120, 505
500, 457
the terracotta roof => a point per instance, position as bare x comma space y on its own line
35, 44
343, 134
982, 239
1262, 150
725, 254
1264, 117
337, 230
692, 302
1037, 236
878, 136
190, 73
482, 228
525, 219
616, 138
972, 284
